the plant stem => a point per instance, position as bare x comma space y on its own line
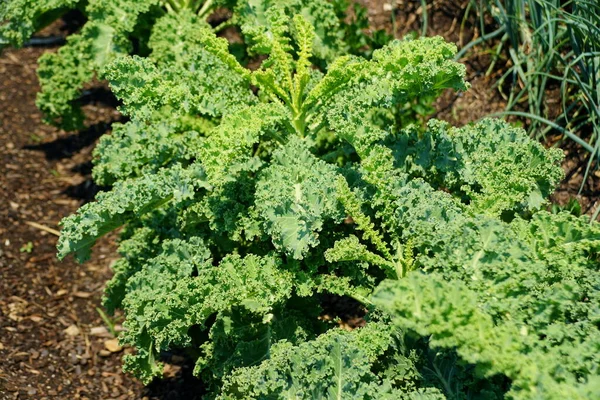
205, 8
479, 40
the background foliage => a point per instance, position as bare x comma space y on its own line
549, 45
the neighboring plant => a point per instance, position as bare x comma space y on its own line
117, 27
355, 23
573, 206
550, 45
246, 195
26, 248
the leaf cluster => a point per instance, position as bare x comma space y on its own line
247, 194
115, 28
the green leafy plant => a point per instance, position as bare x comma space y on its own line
26, 248
117, 27
246, 195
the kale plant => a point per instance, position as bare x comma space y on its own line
117, 27
246, 195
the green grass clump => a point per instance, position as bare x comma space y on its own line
549, 44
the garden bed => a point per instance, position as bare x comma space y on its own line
53, 340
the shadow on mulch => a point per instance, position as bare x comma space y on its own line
65, 147
85, 191
100, 95
179, 383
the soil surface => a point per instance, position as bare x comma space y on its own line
53, 340
54, 343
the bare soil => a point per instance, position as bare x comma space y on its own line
53, 341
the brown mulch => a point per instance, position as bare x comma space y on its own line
53, 341
52, 338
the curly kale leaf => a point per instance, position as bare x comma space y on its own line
514, 261
518, 299
409, 166
350, 249
188, 54
495, 166
121, 15
143, 88
448, 312
63, 74
173, 293
397, 74
140, 241
179, 79
135, 148
127, 200
504, 261
294, 196
19, 19
257, 24
229, 148
498, 159
336, 365
230, 157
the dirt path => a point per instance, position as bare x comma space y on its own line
53, 342
51, 336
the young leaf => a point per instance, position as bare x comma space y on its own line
294, 196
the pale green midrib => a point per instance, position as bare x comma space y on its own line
339, 374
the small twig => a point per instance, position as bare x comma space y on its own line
16, 61
43, 227
10, 62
